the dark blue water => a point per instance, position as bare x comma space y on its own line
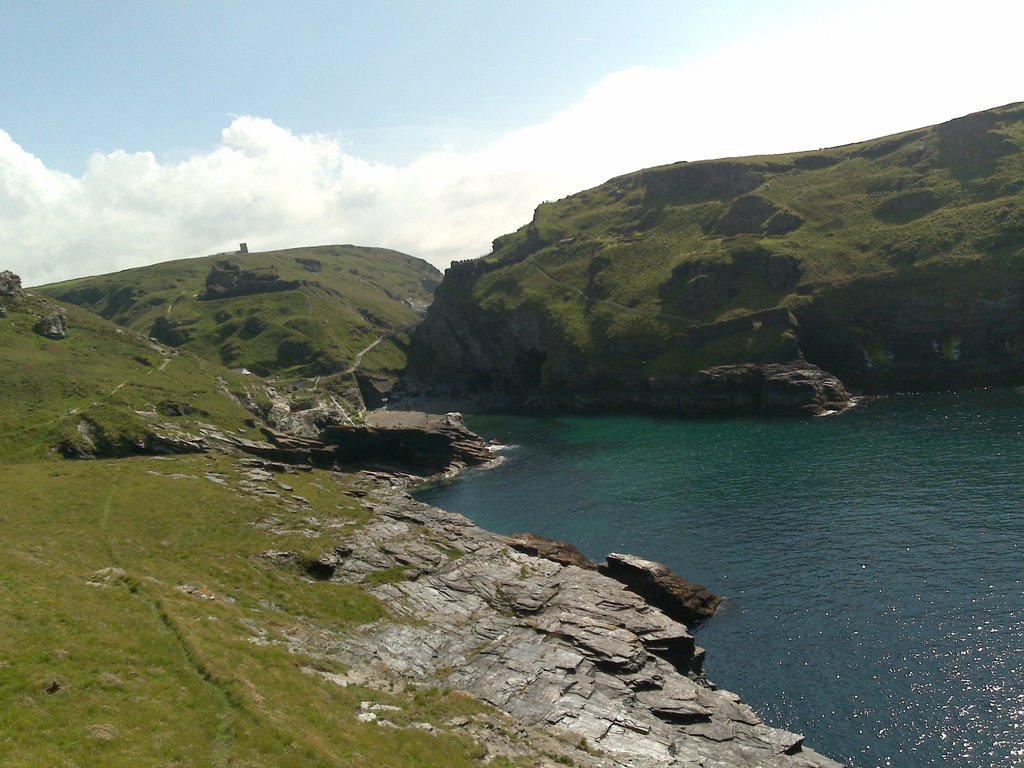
873, 562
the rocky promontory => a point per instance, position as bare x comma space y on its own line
411, 441
560, 648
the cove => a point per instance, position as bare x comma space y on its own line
872, 562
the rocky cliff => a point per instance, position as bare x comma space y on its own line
756, 285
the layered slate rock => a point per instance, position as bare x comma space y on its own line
419, 442
550, 549
662, 588
555, 646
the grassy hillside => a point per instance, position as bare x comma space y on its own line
142, 624
161, 610
291, 314
888, 262
105, 390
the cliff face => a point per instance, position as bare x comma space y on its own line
755, 285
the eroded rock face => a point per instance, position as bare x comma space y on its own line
889, 339
517, 358
555, 646
662, 588
422, 443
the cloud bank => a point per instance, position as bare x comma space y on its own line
274, 188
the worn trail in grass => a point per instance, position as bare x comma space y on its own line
140, 624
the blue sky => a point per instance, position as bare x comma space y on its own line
393, 78
134, 132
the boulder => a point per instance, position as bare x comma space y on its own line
52, 326
661, 587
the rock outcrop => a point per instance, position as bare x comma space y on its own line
661, 587
10, 284
53, 326
558, 647
172, 331
550, 549
761, 390
227, 279
421, 443
425, 442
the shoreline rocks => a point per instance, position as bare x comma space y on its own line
558, 647
797, 389
551, 549
659, 586
423, 443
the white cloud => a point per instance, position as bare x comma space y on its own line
883, 69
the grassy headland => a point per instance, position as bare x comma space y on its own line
890, 262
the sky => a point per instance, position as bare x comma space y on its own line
134, 132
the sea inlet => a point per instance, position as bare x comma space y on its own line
873, 562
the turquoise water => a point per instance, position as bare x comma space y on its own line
872, 562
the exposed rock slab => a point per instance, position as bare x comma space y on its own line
658, 585
550, 549
555, 646
420, 442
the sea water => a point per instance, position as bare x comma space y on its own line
873, 562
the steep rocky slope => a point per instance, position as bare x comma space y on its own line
730, 286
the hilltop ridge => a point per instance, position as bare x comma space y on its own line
295, 314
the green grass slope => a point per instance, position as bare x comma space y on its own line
106, 390
141, 624
147, 618
890, 262
294, 313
